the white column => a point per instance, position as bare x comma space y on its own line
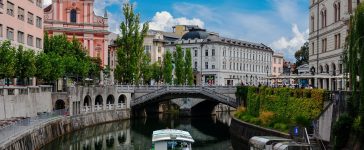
34, 81
55, 11
68, 16
106, 51
85, 12
91, 12
330, 84
85, 43
61, 11
92, 47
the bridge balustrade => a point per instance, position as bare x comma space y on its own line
86, 109
98, 107
110, 106
120, 106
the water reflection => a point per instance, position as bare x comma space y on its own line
209, 133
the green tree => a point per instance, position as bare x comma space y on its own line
25, 63
156, 71
167, 68
7, 60
130, 52
188, 67
354, 62
50, 67
146, 68
179, 64
302, 55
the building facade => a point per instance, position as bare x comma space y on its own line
277, 67
155, 41
329, 26
77, 19
22, 23
218, 60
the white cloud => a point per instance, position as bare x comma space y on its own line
289, 46
164, 21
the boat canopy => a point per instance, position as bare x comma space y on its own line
171, 134
292, 145
261, 141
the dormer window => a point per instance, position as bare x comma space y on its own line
73, 16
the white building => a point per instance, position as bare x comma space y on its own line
225, 61
328, 23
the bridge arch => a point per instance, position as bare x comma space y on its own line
122, 99
110, 99
98, 100
87, 101
60, 104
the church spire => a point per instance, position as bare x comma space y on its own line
105, 13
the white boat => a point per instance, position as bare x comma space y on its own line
171, 139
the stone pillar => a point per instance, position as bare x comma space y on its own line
85, 12
61, 11
106, 51
330, 84
55, 11
68, 16
101, 77
91, 12
34, 81
85, 42
14, 81
92, 47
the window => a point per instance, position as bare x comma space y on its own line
323, 18
324, 45
196, 65
10, 34
275, 60
30, 40
337, 12
73, 16
312, 23
1, 3
39, 22
20, 37
38, 43
213, 52
39, 3
195, 52
10, 9
230, 66
313, 48
350, 6
207, 65
274, 69
159, 49
337, 41
20, 13
1, 30
147, 48
224, 65
207, 52
213, 67
30, 18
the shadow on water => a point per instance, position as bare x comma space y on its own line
209, 133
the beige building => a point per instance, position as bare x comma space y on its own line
277, 67
328, 25
154, 43
22, 23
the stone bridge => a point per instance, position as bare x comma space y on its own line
79, 100
219, 94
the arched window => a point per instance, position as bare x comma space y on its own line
73, 16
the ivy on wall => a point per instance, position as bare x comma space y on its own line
279, 107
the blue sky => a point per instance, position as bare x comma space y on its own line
280, 24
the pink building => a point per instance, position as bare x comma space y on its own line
21, 22
77, 18
277, 67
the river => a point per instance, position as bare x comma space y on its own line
209, 133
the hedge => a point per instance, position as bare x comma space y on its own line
289, 106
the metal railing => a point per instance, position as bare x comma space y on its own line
20, 127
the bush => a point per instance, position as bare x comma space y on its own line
280, 127
302, 121
266, 117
